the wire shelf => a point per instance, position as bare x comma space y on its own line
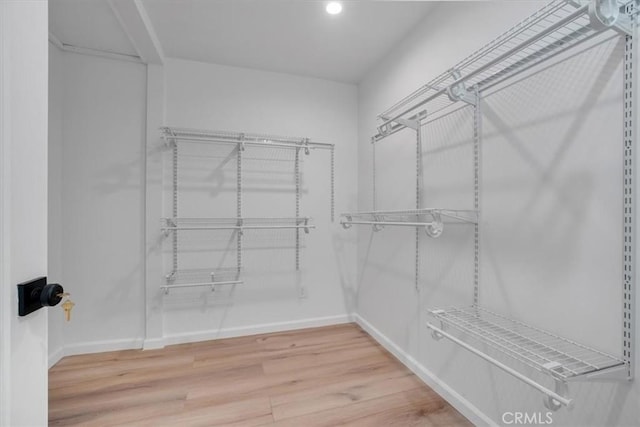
560, 25
174, 224
431, 219
548, 353
242, 139
202, 278
203, 275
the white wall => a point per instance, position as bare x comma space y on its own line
97, 154
209, 96
23, 209
551, 209
102, 182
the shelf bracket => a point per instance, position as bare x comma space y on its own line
168, 227
170, 278
378, 227
387, 127
615, 374
395, 124
305, 144
213, 281
435, 333
561, 387
169, 138
605, 14
346, 223
241, 145
240, 225
458, 90
435, 228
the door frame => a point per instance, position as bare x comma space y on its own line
5, 337
23, 148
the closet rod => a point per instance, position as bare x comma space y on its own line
553, 395
379, 216
402, 224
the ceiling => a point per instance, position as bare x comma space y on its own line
289, 36
88, 23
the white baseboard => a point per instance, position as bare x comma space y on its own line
153, 344
256, 329
102, 346
139, 343
471, 412
55, 356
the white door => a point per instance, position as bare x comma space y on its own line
23, 208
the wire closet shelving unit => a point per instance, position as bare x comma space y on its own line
175, 224
559, 26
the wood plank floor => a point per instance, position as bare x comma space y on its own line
336, 375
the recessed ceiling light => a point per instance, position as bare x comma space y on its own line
334, 7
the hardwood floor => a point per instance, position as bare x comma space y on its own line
329, 376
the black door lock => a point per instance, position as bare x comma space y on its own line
37, 293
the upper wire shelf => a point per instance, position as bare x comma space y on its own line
431, 219
235, 223
558, 357
558, 26
241, 139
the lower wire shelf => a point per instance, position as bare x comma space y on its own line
201, 278
562, 359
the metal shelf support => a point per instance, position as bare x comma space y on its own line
477, 139
436, 226
629, 196
239, 235
297, 213
174, 208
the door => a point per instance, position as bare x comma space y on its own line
23, 208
